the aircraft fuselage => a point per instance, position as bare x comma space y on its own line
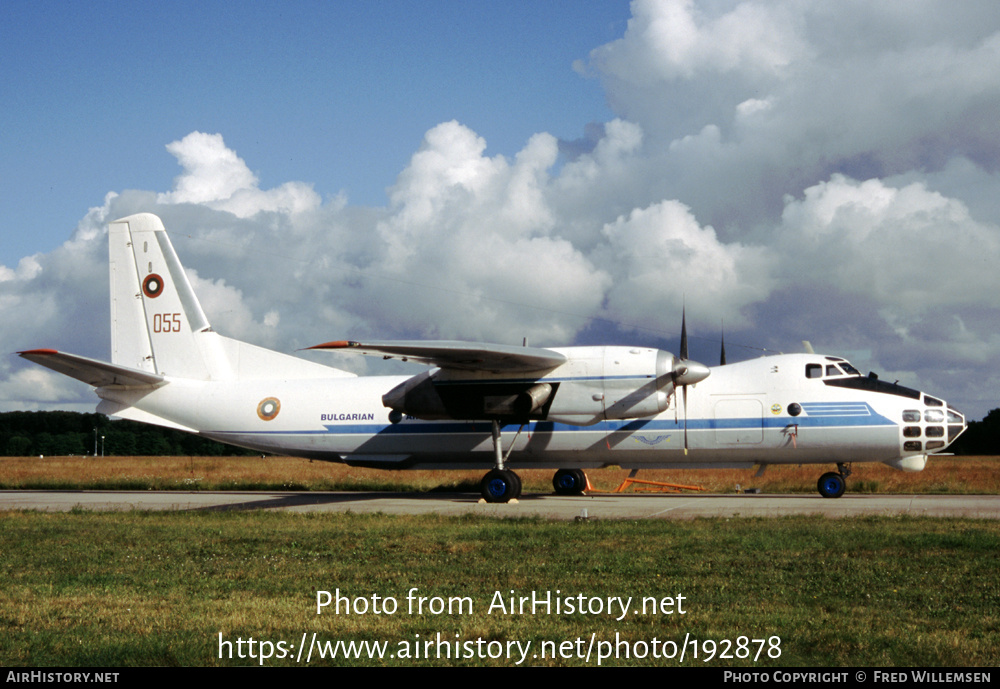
762, 411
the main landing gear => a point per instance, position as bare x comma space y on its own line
569, 482
832, 485
500, 484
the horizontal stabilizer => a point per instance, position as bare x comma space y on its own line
123, 411
464, 356
100, 374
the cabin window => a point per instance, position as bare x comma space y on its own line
935, 431
911, 431
911, 416
935, 444
934, 416
814, 370
912, 446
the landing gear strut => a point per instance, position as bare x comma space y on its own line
832, 485
500, 484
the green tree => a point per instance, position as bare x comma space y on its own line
18, 446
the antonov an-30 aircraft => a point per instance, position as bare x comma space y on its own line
566, 408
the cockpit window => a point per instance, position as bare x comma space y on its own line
932, 402
840, 369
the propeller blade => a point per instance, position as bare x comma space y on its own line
685, 419
688, 372
722, 356
684, 334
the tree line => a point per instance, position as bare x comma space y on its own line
981, 438
26, 433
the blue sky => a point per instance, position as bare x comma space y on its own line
336, 93
571, 172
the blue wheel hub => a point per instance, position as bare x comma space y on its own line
497, 487
567, 482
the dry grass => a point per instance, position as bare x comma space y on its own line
963, 475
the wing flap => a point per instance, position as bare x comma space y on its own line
100, 374
464, 356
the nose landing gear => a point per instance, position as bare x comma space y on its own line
833, 485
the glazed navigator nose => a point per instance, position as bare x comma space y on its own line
932, 428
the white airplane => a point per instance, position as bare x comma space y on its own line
573, 407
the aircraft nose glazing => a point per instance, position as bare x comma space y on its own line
956, 423
932, 427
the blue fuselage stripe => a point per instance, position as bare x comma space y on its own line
860, 415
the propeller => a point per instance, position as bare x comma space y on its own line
687, 372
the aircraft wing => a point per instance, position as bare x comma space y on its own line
90, 371
465, 356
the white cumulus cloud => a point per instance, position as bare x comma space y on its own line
799, 169
218, 178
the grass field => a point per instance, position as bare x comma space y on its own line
121, 589
139, 589
963, 475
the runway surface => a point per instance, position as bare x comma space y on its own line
597, 506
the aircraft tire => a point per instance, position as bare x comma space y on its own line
569, 482
500, 485
831, 485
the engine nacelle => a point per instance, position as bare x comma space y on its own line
616, 383
595, 383
427, 396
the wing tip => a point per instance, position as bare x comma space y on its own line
38, 352
336, 344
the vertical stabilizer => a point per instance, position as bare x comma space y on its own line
157, 324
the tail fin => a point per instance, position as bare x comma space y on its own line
157, 324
